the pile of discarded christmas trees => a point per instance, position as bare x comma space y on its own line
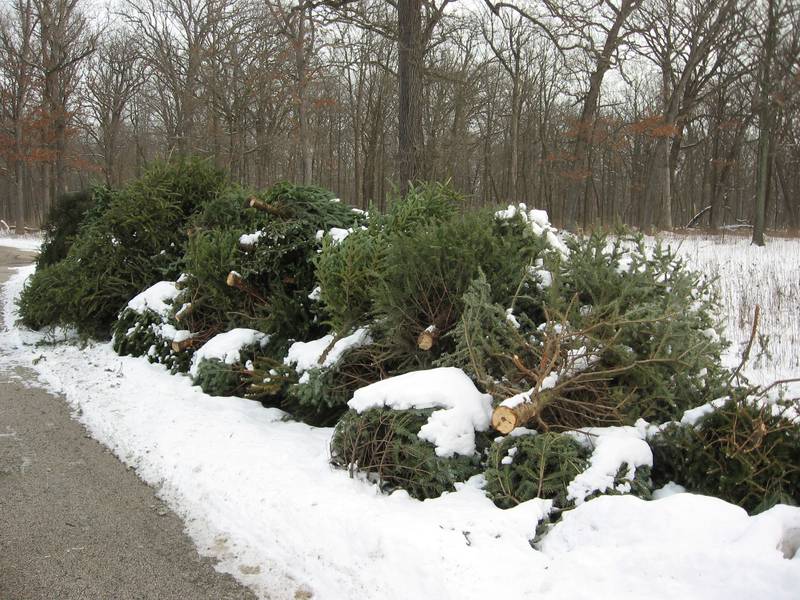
445, 345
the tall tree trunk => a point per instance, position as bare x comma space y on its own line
409, 116
19, 189
660, 188
791, 209
46, 184
711, 184
577, 188
358, 162
514, 139
60, 163
765, 118
304, 133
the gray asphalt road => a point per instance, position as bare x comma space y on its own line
74, 522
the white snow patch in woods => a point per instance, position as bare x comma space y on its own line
669, 489
168, 332
694, 416
547, 383
625, 262
227, 347
360, 337
29, 241
746, 276
257, 490
518, 399
157, 298
511, 212
312, 355
464, 409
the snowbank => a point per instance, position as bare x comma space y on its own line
30, 242
680, 546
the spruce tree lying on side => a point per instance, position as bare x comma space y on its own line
147, 327
250, 260
249, 263
64, 221
608, 334
401, 275
533, 466
135, 240
384, 445
744, 448
352, 272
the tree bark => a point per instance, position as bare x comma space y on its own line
301, 64
409, 117
19, 187
577, 187
791, 209
765, 118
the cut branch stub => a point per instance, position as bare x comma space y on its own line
181, 345
427, 339
235, 280
184, 312
275, 211
507, 418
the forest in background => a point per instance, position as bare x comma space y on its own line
643, 112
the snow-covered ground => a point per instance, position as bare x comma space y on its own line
30, 241
748, 276
256, 491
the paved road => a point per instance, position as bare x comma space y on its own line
74, 522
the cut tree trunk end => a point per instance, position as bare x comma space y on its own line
427, 339
235, 280
181, 345
184, 312
507, 418
275, 211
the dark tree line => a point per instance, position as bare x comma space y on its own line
654, 113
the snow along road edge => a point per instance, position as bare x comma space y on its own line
257, 492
